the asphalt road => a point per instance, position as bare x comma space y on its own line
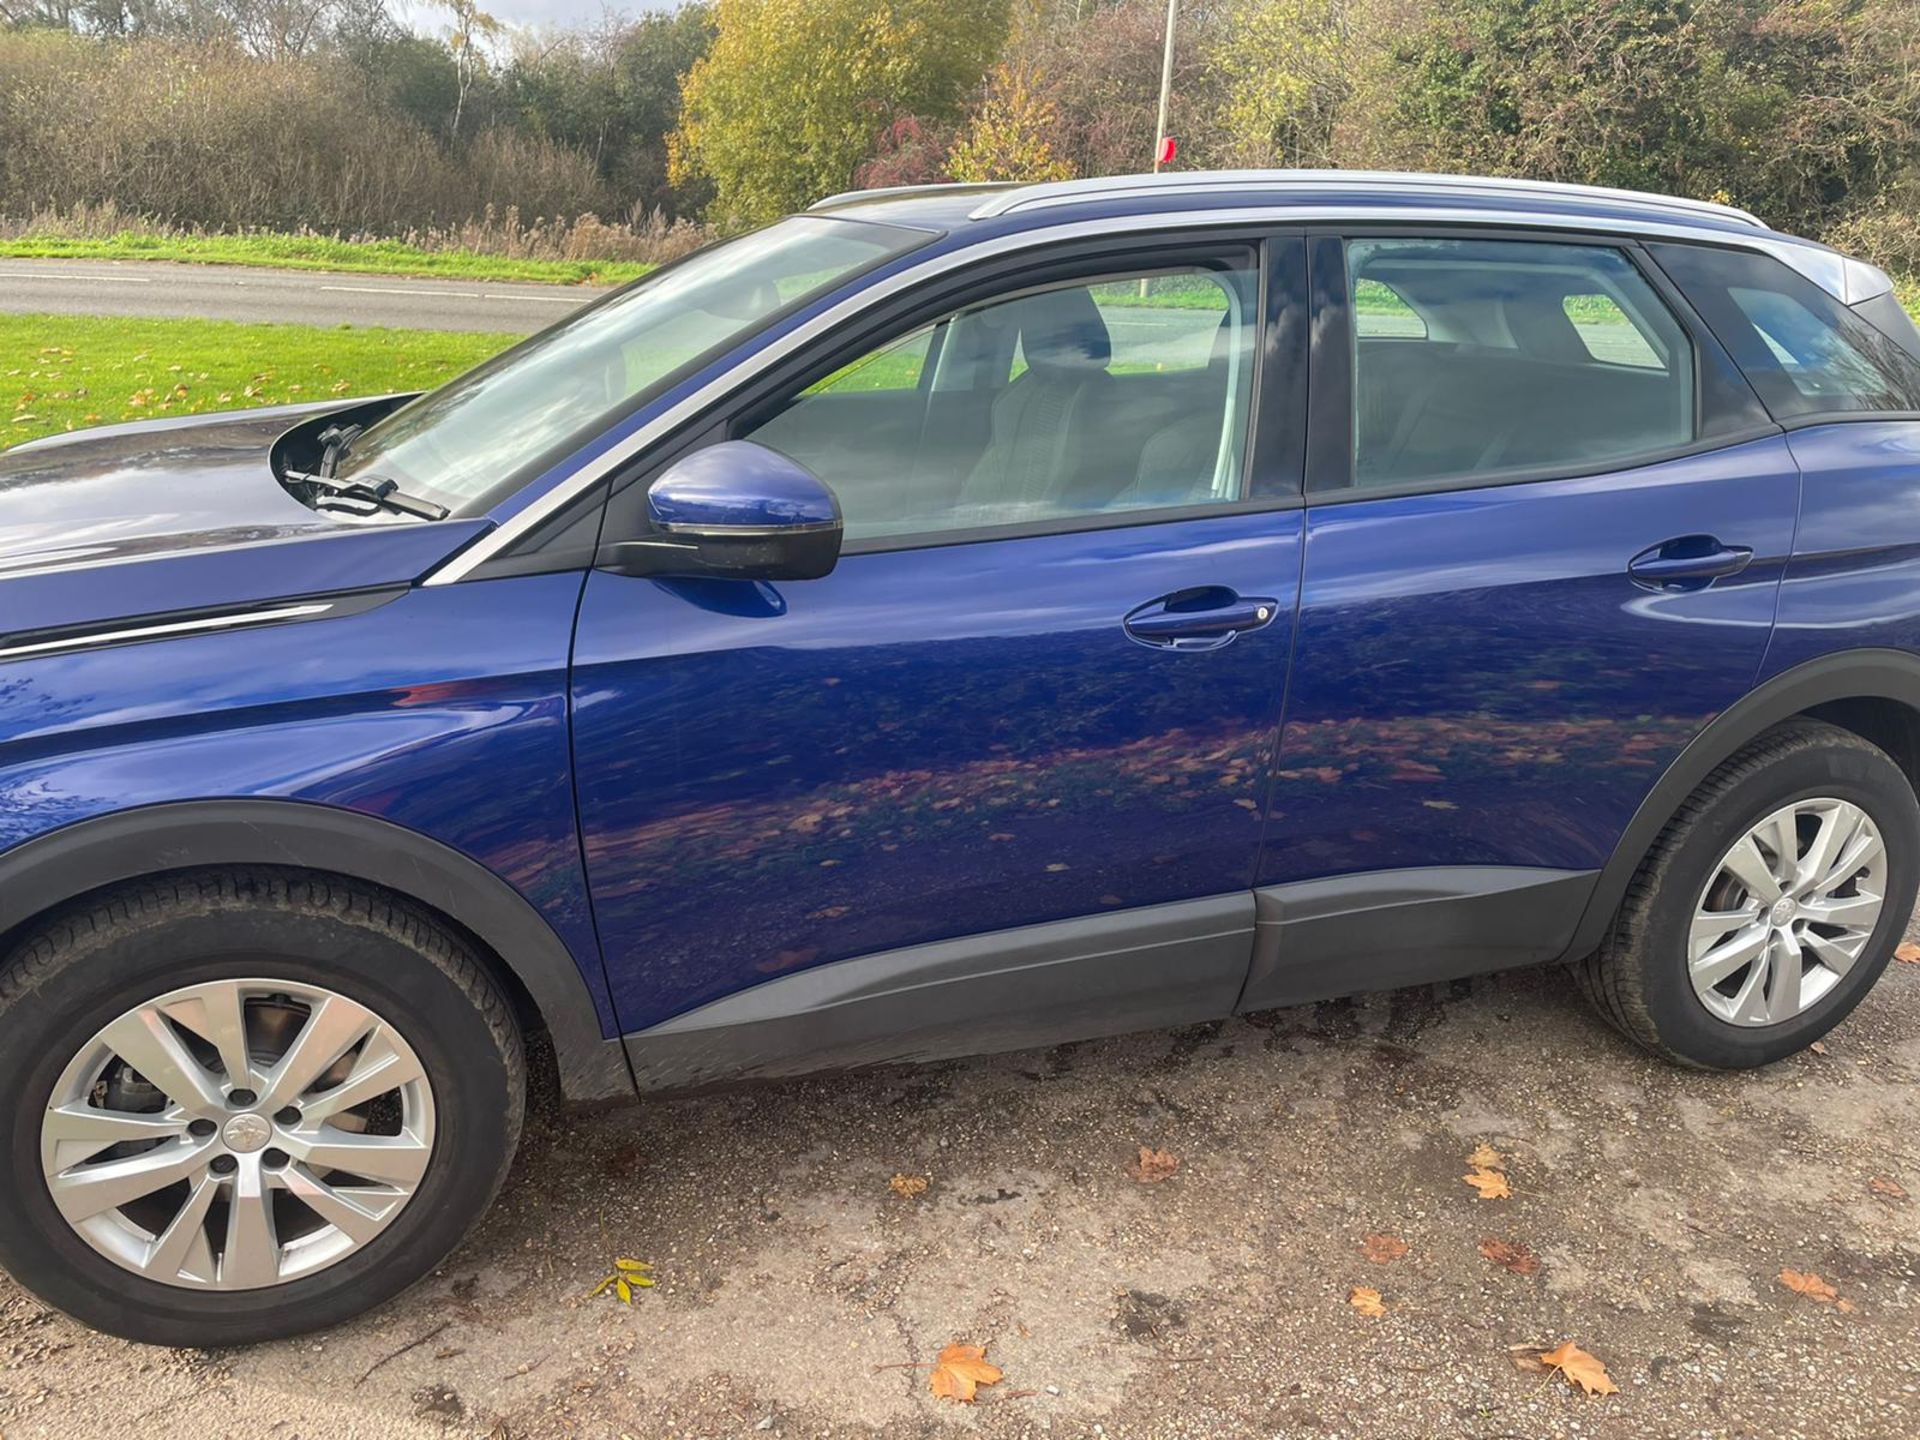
801, 1294
302, 297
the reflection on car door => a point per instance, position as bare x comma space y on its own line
1011, 751
1542, 553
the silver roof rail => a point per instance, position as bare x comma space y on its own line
911, 192
1201, 182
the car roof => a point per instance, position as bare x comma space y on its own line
964, 211
1369, 191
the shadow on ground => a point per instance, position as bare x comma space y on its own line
796, 1286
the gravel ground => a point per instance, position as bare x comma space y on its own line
797, 1288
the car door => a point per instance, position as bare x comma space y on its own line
997, 777
1546, 527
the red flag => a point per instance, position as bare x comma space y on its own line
1167, 148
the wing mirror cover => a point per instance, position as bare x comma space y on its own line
738, 511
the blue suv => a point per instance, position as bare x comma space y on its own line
949, 620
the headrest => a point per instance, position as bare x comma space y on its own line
1062, 334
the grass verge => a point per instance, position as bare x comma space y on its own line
320, 252
65, 372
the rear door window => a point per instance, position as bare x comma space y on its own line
1484, 359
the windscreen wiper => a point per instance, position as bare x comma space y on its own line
334, 442
381, 493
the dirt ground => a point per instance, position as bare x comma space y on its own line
796, 1287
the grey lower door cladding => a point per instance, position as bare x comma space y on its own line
1157, 966
1316, 939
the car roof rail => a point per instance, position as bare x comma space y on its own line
1411, 183
911, 192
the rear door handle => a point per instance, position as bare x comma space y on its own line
1200, 619
1691, 562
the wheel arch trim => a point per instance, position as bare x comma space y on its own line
127, 845
1877, 674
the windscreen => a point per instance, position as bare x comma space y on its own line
475, 438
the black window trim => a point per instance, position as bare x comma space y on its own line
1329, 474
1276, 432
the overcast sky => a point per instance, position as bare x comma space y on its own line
535, 14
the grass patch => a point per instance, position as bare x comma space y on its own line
65, 372
319, 252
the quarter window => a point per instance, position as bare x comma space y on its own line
1490, 359
1120, 393
1805, 352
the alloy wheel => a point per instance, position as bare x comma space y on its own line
237, 1134
1788, 912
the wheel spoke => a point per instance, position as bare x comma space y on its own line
1852, 912
1749, 1004
378, 1069
333, 1028
1724, 959
1783, 981
217, 1014
251, 1257
1837, 955
93, 1130
399, 1159
145, 1041
183, 1244
346, 1208
90, 1189
1750, 868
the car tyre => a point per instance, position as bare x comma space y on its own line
287, 951
1657, 976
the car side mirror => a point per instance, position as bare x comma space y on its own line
736, 511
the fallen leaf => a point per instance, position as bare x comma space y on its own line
959, 1370
1491, 1184
1383, 1249
1908, 952
1153, 1166
1819, 1047
1485, 1157
1810, 1285
1367, 1301
628, 1276
908, 1186
1510, 1256
1581, 1369
1887, 1189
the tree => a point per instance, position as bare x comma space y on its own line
470, 26
1008, 138
1285, 67
794, 93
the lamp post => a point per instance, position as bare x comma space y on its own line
1160, 149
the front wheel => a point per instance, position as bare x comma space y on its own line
247, 1104
1769, 905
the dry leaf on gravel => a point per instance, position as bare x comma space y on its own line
959, 1370
1810, 1285
1366, 1300
628, 1276
1510, 1255
1383, 1249
1887, 1189
1153, 1166
1485, 1157
908, 1186
1581, 1369
1491, 1184
1908, 952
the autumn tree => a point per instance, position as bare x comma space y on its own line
794, 93
1010, 135
1285, 67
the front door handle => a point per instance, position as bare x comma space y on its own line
1691, 562
1201, 619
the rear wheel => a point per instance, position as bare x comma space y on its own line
1769, 906
246, 1104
